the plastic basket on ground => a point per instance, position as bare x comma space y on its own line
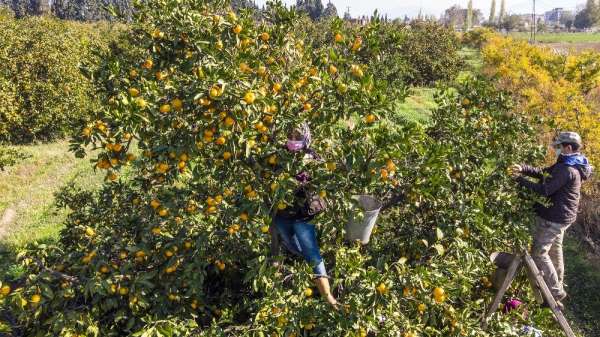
363, 219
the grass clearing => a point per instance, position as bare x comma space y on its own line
417, 106
27, 192
473, 63
582, 277
472, 58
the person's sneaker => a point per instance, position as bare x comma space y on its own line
559, 304
561, 296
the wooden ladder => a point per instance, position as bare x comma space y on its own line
539, 285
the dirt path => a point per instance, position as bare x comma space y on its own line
27, 210
7, 219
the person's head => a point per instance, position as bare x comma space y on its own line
295, 134
567, 143
298, 138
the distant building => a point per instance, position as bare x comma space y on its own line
553, 17
361, 20
526, 19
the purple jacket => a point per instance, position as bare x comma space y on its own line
561, 183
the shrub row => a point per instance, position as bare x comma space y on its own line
45, 92
418, 53
42, 88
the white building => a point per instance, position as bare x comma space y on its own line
553, 17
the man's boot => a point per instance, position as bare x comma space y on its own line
322, 284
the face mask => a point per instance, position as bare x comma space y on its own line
295, 145
558, 151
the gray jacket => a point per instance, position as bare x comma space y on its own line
561, 183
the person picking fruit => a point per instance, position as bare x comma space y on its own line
291, 224
561, 184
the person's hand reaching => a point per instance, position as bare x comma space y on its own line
515, 170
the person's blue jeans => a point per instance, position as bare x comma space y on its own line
300, 238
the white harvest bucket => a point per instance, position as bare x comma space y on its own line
360, 227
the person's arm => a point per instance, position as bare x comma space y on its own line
534, 172
396, 199
559, 177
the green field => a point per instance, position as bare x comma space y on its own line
417, 106
27, 207
582, 276
561, 37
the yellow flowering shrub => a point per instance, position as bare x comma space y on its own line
563, 89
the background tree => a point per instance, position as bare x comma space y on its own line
511, 22
502, 12
567, 20
469, 23
454, 16
492, 17
19, 8
94, 10
314, 8
477, 17
330, 10
588, 17
541, 26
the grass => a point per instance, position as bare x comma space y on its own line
417, 107
27, 192
472, 59
473, 63
561, 37
582, 274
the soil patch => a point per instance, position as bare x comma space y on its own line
7, 219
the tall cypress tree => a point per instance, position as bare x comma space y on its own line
469, 21
492, 13
502, 11
593, 12
330, 11
314, 8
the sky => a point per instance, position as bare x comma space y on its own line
399, 8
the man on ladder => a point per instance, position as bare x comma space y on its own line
561, 184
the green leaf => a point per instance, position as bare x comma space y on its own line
439, 248
439, 234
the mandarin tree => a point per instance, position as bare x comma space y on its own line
43, 92
208, 96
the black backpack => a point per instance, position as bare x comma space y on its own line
307, 204
311, 203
